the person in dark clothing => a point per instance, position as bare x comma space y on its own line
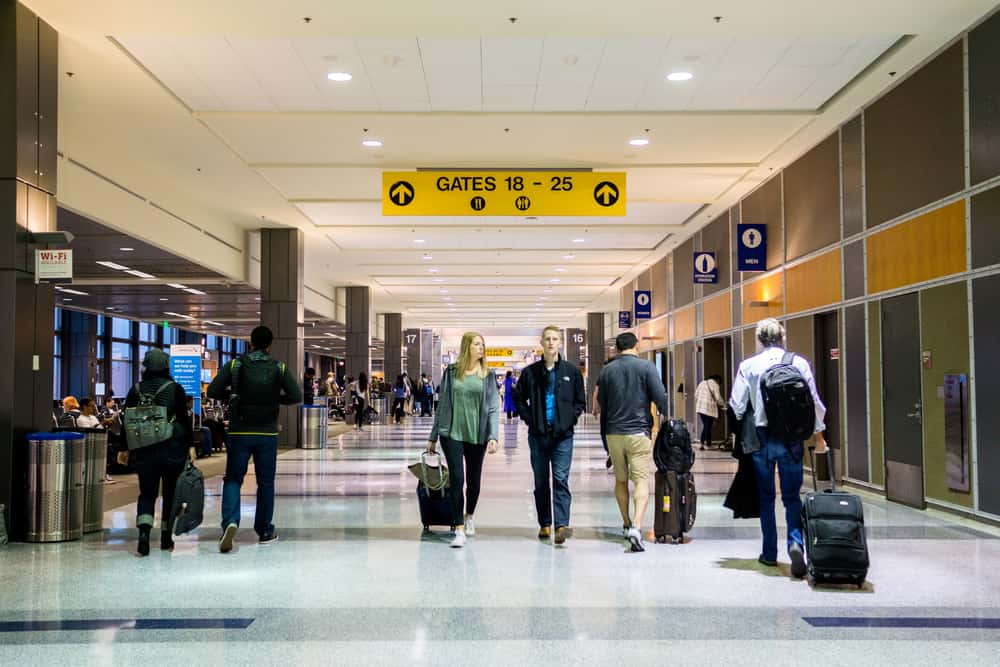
359, 398
256, 386
399, 395
163, 462
309, 387
550, 397
426, 395
509, 402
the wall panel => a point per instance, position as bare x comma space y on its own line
715, 238
915, 140
658, 283
929, 246
717, 313
734, 219
763, 206
812, 200
875, 391
683, 272
944, 331
855, 393
814, 283
768, 289
985, 216
684, 324
984, 100
853, 177
854, 269
986, 320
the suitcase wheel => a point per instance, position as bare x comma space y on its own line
661, 539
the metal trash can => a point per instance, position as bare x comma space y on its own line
54, 487
313, 427
381, 405
95, 463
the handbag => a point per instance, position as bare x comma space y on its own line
434, 477
189, 499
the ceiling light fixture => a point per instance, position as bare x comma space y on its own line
339, 77
433, 269
579, 240
173, 314
112, 265
372, 143
569, 256
140, 274
426, 256
127, 249
638, 141
554, 280
560, 269
680, 76
419, 241
176, 286
191, 290
71, 291
444, 291
163, 298
214, 324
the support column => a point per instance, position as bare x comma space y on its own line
28, 103
411, 342
359, 338
81, 360
595, 351
393, 362
282, 291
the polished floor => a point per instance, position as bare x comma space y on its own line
353, 581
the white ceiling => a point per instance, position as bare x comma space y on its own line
221, 112
506, 74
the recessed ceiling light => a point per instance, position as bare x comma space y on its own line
439, 280
579, 240
112, 265
554, 280
426, 256
372, 143
444, 291
140, 274
638, 141
680, 76
548, 290
560, 269
419, 240
433, 269
339, 77
66, 300
127, 249
569, 256
163, 298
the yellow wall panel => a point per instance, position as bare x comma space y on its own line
930, 246
717, 313
767, 289
814, 283
684, 324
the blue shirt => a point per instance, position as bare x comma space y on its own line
550, 398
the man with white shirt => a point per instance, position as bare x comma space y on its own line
768, 450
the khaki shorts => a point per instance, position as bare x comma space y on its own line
632, 456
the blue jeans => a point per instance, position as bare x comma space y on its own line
264, 450
773, 452
551, 458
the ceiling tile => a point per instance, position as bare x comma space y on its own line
277, 66
511, 61
221, 68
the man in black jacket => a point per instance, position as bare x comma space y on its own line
550, 397
255, 386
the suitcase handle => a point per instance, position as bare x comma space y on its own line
829, 465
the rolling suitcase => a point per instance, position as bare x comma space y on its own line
435, 506
676, 506
833, 527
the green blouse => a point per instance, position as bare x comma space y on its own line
467, 402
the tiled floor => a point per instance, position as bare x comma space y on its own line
353, 581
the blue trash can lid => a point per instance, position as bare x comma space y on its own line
67, 435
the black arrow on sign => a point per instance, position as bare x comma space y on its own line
401, 193
606, 193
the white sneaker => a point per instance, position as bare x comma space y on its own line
635, 540
470, 527
459, 541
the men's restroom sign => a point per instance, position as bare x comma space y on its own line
751, 251
706, 270
643, 304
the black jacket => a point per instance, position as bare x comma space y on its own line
263, 385
571, 398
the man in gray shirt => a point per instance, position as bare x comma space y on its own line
627, 388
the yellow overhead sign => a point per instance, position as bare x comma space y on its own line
498, 364
503, 193
499, 352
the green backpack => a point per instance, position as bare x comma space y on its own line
147, 424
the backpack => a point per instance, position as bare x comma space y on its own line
673, 451
788, 403
428, 390
148, 424
263, 374
189, 500
399, 392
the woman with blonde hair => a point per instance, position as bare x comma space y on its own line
467, 421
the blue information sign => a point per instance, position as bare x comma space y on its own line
624, 319
706, 270
185, 369
751, 243
643, 304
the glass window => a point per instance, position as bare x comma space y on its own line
121, 328
121, 368
147, 332
101, 321
101, 355
211, 342
58, 319
227, 345
143, 349
56, 378
170, 336
57, 345
121, 351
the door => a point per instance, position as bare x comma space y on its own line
826, 340
902, 401
690, 382
718, 361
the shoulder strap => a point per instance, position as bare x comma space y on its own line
162, 387
138, 390
787, 358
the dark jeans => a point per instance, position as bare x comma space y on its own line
775, 452
551, 458
706, 429
398, 407
425, 406
157, 464
264, 451
454, 452
359, 411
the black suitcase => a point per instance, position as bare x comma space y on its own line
435, 506
675, 505
833, 527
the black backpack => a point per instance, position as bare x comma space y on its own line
791, 413
673, 451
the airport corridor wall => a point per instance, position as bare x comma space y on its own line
903, 199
